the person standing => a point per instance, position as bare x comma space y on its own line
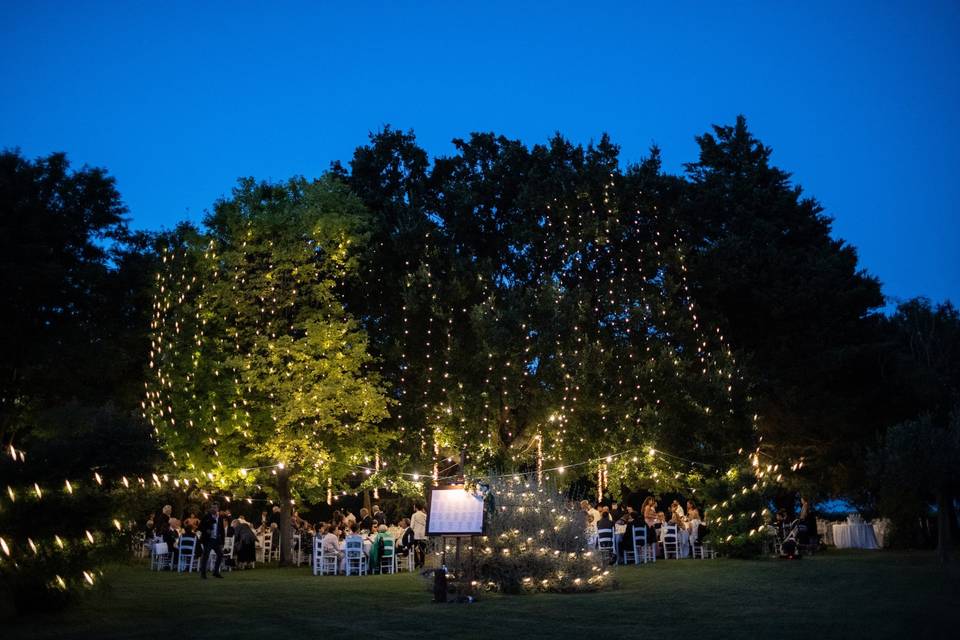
418, 522
211, 536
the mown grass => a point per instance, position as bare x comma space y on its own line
841, 594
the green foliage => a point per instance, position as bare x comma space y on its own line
914, 463
73, 285
255, 362
528, 293
802, 313
71, 279
735, 511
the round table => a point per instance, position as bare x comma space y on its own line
854, 536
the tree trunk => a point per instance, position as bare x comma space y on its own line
944, 532
286, 543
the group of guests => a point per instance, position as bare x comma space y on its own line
597, 518
375, 533
211, 531
371, 526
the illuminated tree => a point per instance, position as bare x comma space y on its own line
258, 373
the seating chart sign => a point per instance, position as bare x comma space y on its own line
454, 511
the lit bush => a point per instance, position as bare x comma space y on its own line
534, 543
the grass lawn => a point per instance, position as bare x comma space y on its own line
839, 594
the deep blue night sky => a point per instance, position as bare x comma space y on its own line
861, 101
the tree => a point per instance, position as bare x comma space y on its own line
70, 274
529, 279
72, 348
916, 462
916, 459
257, 370
801, 312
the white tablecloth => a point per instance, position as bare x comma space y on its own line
854, 536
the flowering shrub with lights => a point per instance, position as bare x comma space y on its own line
535, 544
737, 512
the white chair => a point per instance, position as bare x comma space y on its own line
138, 544
187, 557
671, 542
323, 563
227, 554
356, 561
406, 561
160, 556
265, 552
703, 550
699, 548
640, 552
388, 559
146, 545
275, 547
605, 544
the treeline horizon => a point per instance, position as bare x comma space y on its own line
551, 269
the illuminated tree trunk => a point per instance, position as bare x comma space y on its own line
286, 541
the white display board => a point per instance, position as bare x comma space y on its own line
454, 511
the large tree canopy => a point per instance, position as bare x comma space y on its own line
257, 369
536, 298
792, 298
73, 289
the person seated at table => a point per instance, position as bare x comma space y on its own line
172, 538
407, 538
616, 511
226, 518
330, 543
244, 543
677, 518
377, 547
693, 513
650, 516
675, 508
808, 524
605, 522
626, 542
781, 523
591, 511
591, 530
190, 523
353, 533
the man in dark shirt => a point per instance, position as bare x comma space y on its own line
616, 512
275, 516
211, 536
365, 523
162, 520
